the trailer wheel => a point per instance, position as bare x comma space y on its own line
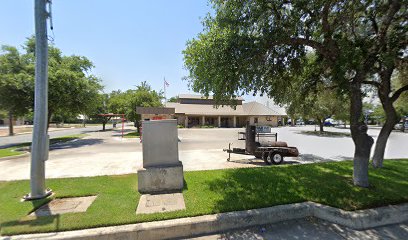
275, 158
265, 158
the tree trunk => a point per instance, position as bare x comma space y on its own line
49, 119
321, 124
84, 121
362, 141
137, 125
11, 127
391, 119
103, 126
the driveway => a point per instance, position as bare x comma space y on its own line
106, 153
55, 133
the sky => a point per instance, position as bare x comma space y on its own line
128, 41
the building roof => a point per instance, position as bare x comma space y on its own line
196, 96
154, 110
206, 109
258, 109
246, 109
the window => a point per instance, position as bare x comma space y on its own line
256, 120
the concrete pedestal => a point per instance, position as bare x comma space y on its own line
162, 171
160, 179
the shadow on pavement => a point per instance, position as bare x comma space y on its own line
312, 228
76, 143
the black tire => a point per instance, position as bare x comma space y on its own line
265, 157
274, 158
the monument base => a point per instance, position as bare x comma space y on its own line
161, 179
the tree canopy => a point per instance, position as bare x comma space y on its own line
16, 83
260, 46
72, 88
126, 102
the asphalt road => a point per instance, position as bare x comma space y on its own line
311, 229
22, 138
106, 153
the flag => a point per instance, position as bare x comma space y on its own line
166, 83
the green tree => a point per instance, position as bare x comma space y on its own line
390, 31
72, 89
126, 102
401, 105
102, 107
173, 99
319, 105
316, 102
259, 46
16, 84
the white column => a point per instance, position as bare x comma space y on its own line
219, 121
234, 121
186, 121
202, 120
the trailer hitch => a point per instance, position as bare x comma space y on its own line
229, 151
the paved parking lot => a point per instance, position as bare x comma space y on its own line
106, 153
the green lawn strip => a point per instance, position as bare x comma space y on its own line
15, 150
131, 135
67, 138
207, 192
11, 151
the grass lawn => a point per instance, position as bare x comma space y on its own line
14, 150
326, 134
131, 135
207, 192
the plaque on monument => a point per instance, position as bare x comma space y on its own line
162, 171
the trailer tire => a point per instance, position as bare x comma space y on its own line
275, 158
265, 158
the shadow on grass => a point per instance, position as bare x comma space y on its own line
185, 186
327, 183
260, 162
33, 221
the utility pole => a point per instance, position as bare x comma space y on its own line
40, 141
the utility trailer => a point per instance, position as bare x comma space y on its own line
261, 143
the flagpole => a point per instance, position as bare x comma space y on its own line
164, 85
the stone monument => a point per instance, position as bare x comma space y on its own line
162, 171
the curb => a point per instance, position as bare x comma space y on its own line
208, 224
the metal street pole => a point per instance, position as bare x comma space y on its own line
40, 141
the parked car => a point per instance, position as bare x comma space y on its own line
398, 126
300, 122
330, 122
